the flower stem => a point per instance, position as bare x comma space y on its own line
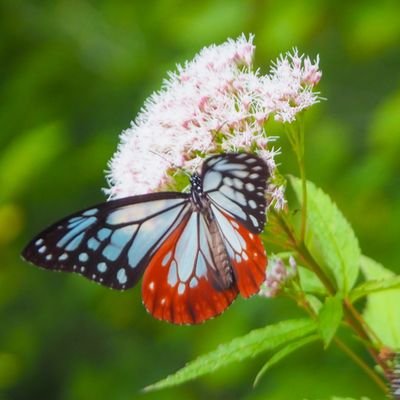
352, 316
295, 133
362, 364
302, 168
303, 302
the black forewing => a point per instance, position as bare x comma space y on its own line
236, 183
110, 243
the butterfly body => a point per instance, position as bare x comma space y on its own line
196, 251
223, 278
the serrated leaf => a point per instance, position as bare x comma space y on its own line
382, 312
374, 286
239, 349
281, 354
329, 318
330, 238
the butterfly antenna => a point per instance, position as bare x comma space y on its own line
174, 166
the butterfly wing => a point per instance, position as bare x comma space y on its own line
236, 183
165, 236
245, 251
110, 243
179, 283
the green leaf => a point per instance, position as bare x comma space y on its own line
239, 349
329, 318
309, 282
374, 286
278, 356
330, 238
314, 302
382, 312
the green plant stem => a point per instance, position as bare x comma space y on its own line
303, 302
304, 205
362, 364
295, 133
302, 168
310, 261
353, 318
362, 322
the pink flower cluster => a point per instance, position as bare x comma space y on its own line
215, 103
277, 276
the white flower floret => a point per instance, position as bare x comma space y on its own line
278, 275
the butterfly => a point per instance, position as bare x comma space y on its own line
196, 251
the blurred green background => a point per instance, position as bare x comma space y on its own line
72, 76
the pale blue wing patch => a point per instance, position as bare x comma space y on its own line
236, 183
191, 257
235, 243
111, 243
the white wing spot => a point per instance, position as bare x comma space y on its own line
245, 256
151, 286
252, 204
251, 236
121, 276
83, 257
82, 269
239, 174
162, 301
181, 288
254, 221
254, 176
94, 276
250, 187
42, 249
49, 257
102, 267
39, 242
167, 257
63, 257
172, 274
193, 282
